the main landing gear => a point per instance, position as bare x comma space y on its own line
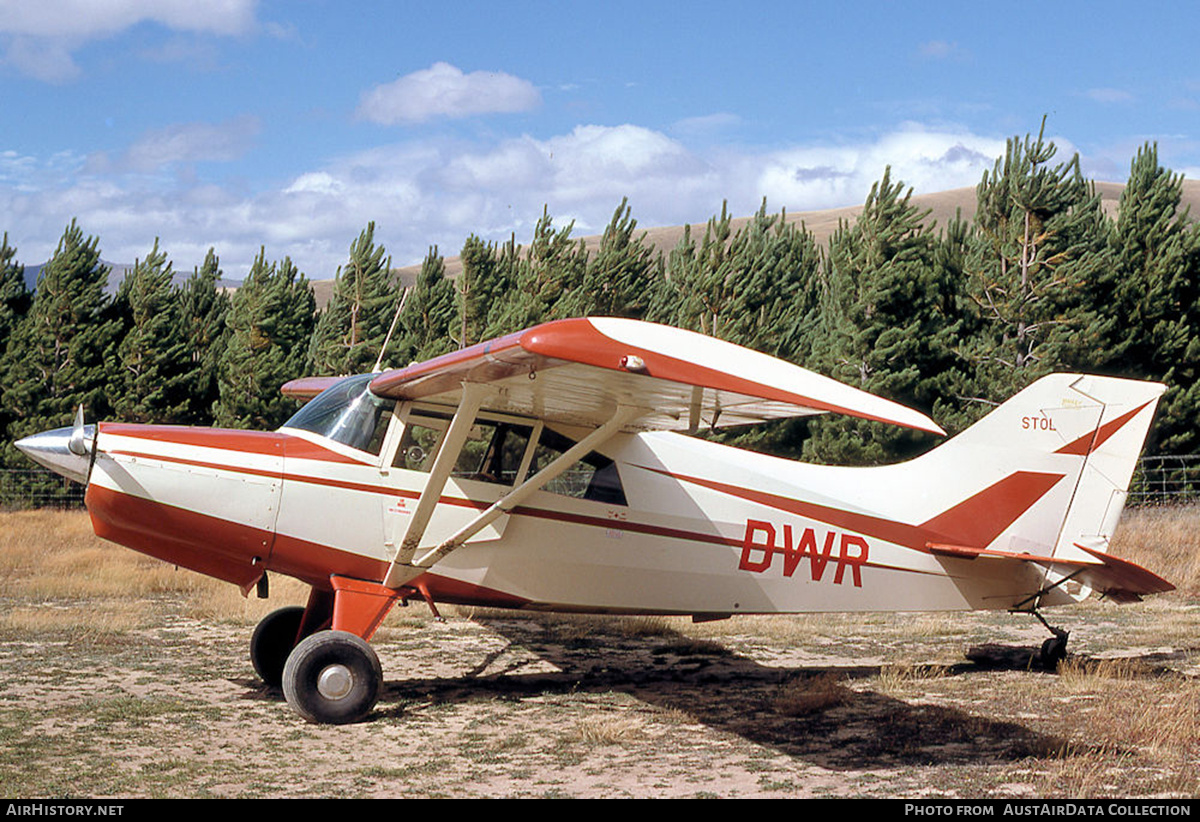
319, 654
1054, 649
332, 677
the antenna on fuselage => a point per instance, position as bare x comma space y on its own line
379, 362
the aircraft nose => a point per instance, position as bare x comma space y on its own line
52, 449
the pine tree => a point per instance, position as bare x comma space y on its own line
351, 330
430, 317
15, 297
622, 277
150, 381
1038, 272
480, 289
56, 359
698, 294
270, 322
548, 278
891, 324
15, 300
756, 287
1156, 252
203, 305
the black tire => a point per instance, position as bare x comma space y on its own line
1054, 651
332, 677
273, 640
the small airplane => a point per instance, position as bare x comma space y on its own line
551, 469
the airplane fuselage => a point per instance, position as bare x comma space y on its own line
703, 529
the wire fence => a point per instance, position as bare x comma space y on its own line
1156, 481
22, 488
1166, 480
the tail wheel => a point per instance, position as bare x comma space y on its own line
332, 677
273, 640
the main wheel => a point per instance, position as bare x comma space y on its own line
1054, 651
332, 677
273, 640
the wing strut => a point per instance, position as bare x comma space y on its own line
460, 426
402, 572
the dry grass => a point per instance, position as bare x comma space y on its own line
113, 659
808, 695
1165, 540
609, 730
54, 556
1144, 725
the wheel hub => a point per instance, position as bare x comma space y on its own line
335, 682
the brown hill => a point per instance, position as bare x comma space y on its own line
942, 207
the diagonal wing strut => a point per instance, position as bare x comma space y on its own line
404, 568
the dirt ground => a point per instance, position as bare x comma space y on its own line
501, 705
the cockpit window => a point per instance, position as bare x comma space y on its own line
492, 452
347, 413
495, 450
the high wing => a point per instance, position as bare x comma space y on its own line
579, 371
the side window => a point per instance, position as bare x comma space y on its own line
594, 477
492, 453
375, 444
419, 444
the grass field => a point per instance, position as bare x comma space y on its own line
123, 677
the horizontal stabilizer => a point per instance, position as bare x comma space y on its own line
1117, 579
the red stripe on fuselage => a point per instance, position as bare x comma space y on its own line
974, 522
461, 502
268, 443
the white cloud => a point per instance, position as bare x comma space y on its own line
424, 192
443, 90
88, 19
940, 50
927, 160
1109, 95
707, 124
192, 142
38, 38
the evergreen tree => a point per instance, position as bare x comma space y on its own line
548, 278
757, 287
270, 322
15, 297
203, 305
698, 293
430, 317
15, 300
1156, 252
775, 279
56, 357
622, 278
480, 290
891, 325
350, 331
1038, 272
150, 381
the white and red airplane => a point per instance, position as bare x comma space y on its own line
550, 470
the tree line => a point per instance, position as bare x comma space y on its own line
948, 319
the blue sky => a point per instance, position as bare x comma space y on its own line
289, 125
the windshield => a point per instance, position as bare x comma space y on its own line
347, 413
